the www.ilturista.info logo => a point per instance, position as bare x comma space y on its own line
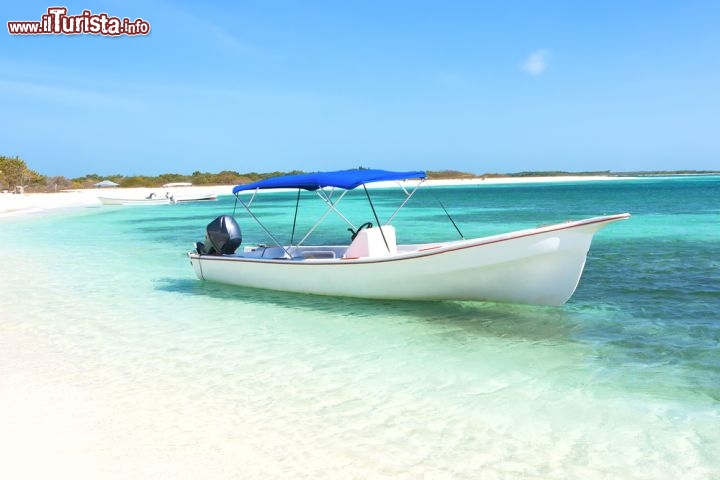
56, 21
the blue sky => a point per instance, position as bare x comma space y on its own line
280, 85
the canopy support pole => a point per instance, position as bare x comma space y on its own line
237, 199
376, 218
331, 207
297, 205
328, 201
407, 198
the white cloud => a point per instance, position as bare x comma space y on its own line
536, 63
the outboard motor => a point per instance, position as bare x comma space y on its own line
223, 237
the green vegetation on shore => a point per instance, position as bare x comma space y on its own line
14, 172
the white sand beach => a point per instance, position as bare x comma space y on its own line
30, 203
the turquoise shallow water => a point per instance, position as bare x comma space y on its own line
116, 362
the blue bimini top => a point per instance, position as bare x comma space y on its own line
347, 179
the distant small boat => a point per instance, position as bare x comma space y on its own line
177, 184
151, 199
155, 199
538, 266
202, 197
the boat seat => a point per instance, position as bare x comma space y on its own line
369, 242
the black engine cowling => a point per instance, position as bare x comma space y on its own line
223, 236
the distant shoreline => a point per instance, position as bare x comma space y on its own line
32, 203
43, 184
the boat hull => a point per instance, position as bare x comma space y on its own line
167, 199
203, 197
134, 201
540, 266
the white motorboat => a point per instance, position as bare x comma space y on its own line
151, 199
168, 198
539, 266
194, 197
